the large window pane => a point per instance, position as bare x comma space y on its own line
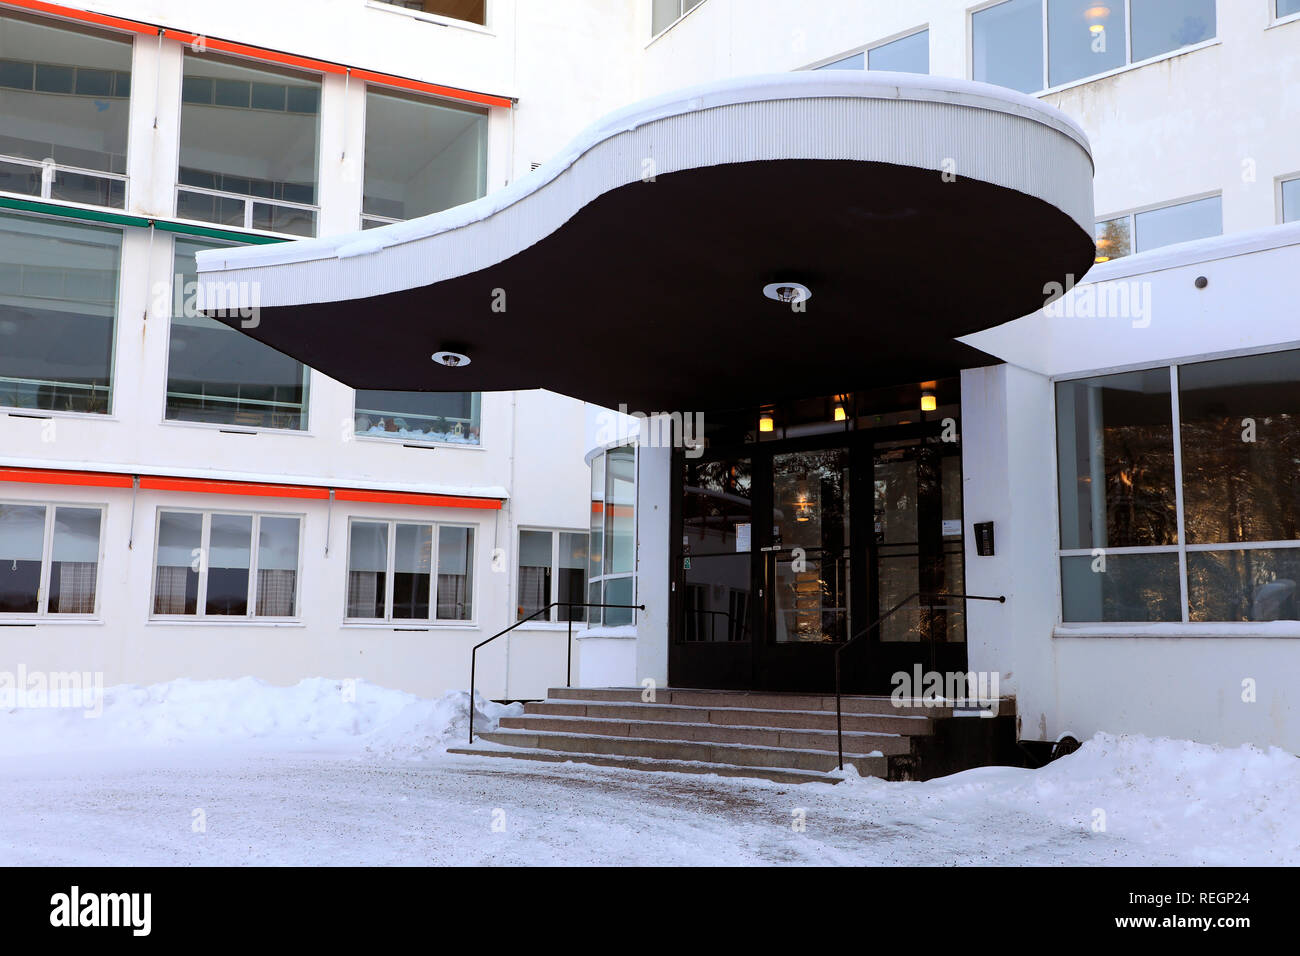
412, 558
1084, 38
455, 574
1241, 448
1129, 588
219, 375
854, 61
571, 574
58, 305
1163, 25
22, 546
1184, 222
419, 416
906, 55
1114, 239
1116, 458
619, 591
1246, 585
620, 501
422, 156
74, 564
534, 573
64, 97
230, 551
1008, 45
367, 570
277, 567
248, 133
176, 565
1286, 8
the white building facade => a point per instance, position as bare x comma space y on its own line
381, 536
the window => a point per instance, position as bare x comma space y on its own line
58, 310
1165, 226
451, 417
664, 13
1287, 8
1238, 437
422, 156
401, 571
226, 565
1291, 199
552, 567
64, 99
216, 374
1030, 45
909, 54
472, 11
249, 139
613, 535
49, 559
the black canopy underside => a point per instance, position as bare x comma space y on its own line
651, 296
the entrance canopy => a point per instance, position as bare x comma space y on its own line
631, 269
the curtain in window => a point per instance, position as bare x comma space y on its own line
363, 593
169, 590
533, 594
275, 592
76, 590
452, 596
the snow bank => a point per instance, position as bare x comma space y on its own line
186, 712
1218, 806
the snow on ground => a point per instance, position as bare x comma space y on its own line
335, 772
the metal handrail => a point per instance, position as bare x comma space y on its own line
568, 679
930, 595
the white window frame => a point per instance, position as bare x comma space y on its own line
1132, 215
866, 50
1182, 548
200, 604
554, 532
1282, 181
414, 623
43, 613
247, 200
680, 17
476, 409
1128, 64
438, 18
602, 579
1276, 18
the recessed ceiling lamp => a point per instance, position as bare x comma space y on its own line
451, 359
787, 293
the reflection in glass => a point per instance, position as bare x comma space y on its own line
1116, 459
176, 564
534, 573
367, 569
854, 61
451, 417
1240, 423
230, 551
1257, 584
277, 567
1084, 38
22, 546
455, 574
810, 518
1127, 588
910, 54
1163, 25
1113, 239
74, 564
412, 554
571, 575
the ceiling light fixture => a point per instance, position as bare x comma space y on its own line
929, 402
451, 359
787, 293
765, 422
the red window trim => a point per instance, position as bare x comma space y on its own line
257, 489
260, 53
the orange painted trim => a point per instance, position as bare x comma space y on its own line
255, 52
419, 86
412, 498
87, 479
84, 16
216, 487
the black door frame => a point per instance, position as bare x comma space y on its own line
762, 664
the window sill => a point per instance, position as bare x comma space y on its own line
1129, 67
416, 443
232, 428
49, 619
1233, 630
191, 621
1283, 21
416, 627
467, 25
41, 414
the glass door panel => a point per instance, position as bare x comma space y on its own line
897, 493
810, 545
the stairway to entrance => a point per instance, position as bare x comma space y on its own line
789, 738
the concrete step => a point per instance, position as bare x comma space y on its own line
855, 742
761, 700
739, 755
792, 719
641, 763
